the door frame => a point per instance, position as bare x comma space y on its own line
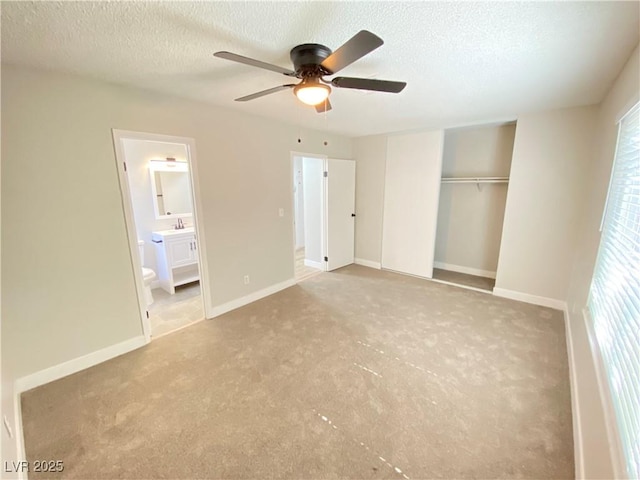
130, 225
323, 207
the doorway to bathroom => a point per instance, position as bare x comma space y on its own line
160, 199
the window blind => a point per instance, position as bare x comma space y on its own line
614, 299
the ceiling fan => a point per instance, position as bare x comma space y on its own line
312, 62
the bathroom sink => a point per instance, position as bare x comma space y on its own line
173, 231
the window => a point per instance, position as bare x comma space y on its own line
614, 299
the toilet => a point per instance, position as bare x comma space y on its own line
147, 274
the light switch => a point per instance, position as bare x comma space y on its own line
281, 212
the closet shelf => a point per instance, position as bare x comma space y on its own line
475, 180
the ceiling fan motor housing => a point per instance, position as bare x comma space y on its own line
306, 59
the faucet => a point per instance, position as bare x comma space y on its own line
179, 225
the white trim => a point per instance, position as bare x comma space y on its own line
468, 270
292, 206
528, 298
311, 263
252, 297
578, 449
198, 220
77, 364
19, 434
367, 263
467, 287
405, 273
324, 215
613, 435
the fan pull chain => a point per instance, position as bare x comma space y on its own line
326, 113
299, 126
326, 119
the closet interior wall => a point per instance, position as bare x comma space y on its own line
471, 214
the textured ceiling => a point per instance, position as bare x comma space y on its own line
464, 62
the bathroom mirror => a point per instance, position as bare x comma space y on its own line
170, 189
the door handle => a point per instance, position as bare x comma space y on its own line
353, 214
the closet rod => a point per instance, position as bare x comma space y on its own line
475, 180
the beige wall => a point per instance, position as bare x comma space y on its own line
596, 458
470, 218
483, 151
68, 286
370, 154
551, 153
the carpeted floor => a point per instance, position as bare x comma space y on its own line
354, 374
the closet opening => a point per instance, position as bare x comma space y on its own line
475, 175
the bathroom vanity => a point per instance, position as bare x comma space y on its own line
177, 257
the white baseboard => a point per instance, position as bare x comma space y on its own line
458, 285
72, 366
578, 452
367, 263
527, 298
311, 263
252, 297
18, 433
468, 270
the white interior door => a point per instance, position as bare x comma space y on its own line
411, 195
341, 200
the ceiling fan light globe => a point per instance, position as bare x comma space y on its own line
312, 94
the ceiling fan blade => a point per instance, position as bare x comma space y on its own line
356, 47
369, 84
264, 92
254, 63
324, 106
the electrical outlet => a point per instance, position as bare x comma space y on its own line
246, 279
8, 427
281, 212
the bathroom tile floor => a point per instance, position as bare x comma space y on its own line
170, 312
